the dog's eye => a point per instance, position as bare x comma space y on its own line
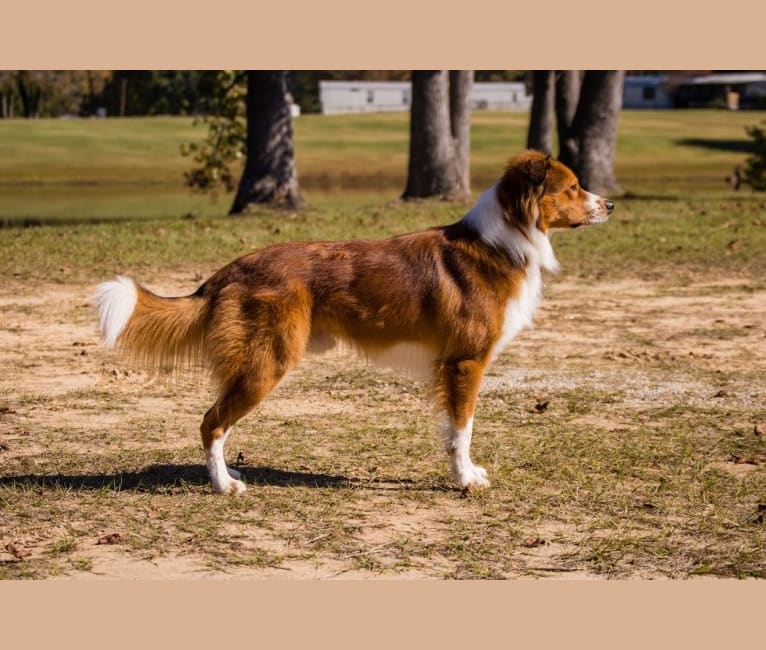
573, 188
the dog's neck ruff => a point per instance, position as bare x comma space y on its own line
526, 246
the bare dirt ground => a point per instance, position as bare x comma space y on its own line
647, 460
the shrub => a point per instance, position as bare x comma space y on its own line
755, 165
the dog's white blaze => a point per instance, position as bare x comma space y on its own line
598, 212
592, 202
220, 475
115, 301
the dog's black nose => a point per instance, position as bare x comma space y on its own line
609, 207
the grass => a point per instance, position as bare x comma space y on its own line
684, 235
131, 167
649, 347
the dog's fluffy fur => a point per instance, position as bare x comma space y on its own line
452, 297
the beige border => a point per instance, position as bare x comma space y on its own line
346, 34
683, 614
398, 34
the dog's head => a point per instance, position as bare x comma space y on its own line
538, 191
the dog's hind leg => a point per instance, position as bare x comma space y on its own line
253, 340
243, 395
260, 366
215, 429
458, 383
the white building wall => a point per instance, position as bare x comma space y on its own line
369, 96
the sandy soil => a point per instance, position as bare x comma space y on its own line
55, 372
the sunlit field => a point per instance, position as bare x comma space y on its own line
648, 459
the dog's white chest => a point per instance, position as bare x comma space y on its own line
520, 310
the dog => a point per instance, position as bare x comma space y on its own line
452, 296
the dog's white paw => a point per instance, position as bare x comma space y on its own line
232, 486
237, 487
472, 477
234, 473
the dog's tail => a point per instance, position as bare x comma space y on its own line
158, 333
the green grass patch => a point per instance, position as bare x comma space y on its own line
132, 167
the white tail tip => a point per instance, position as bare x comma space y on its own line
115, 301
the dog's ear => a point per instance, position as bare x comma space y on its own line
522, 186
536, 169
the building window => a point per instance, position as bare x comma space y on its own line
649, 93
370, 96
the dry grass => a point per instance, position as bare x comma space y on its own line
649, 348
631, 471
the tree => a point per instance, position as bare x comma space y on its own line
588, 146
567, 91
29, 85
587, 107
249, 116
440, 129
755, 165
539, 136
270, 175
7, 94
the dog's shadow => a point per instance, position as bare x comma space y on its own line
164, 478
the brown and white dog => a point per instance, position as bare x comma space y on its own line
456, 294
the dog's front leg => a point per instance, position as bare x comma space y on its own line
459, 384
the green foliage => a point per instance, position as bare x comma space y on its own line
226, 138
755, 165
37, 93
160, 92
52, 93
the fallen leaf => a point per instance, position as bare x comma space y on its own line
19, 552
240, 458
532, 542
541, 407
749, 460
721, 393
111, 538
3, 446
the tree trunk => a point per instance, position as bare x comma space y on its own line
593, 132
540, 135
460, 84
439, 134
270, 176
26, 107
567, 94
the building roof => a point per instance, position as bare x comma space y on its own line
728, 78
